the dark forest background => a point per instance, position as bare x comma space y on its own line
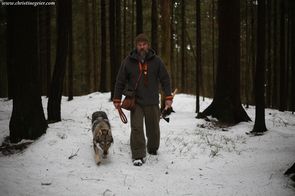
210, 47
89, 51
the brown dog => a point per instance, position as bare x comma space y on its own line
102, 134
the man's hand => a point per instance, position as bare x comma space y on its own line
168, 104
117, 103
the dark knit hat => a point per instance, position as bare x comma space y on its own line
141, 38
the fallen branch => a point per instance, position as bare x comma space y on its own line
96, 179
73, 155
46, 183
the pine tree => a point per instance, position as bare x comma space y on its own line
27, 120
226, 105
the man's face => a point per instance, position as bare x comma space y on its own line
142, 48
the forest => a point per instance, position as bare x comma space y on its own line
232, 61
236, 52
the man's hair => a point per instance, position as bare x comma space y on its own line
141, 38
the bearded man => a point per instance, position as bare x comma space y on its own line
142, 71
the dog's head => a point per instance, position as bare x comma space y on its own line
99, 115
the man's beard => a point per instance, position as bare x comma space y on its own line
142, 52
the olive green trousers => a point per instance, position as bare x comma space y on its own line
151, 116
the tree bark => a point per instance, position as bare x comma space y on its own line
117, 45
213, 43
283, 90
183, 44
166, 44
292, 53
70, 58
125, 27
154, 22
198, 53
10, 57
259, 125
133, 12
95, 47
275, 58
103, 55
226, 105
27, 120
268, 62
44, 48
3, 54
247, 54
113, 49
88, 48
139, 18
54, 101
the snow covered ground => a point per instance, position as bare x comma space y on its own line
195, 158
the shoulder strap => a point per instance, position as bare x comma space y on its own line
140, 73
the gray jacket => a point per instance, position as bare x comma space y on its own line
157, 74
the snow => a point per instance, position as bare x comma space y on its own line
195, 157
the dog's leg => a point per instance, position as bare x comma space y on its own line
96, 152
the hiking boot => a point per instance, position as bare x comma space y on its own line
138, 162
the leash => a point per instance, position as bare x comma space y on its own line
122, 115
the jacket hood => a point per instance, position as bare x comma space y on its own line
151, 53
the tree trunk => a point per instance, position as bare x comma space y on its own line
3, 54
292, 53
54, 101
213, 43
269, 70
283, 91
248, 63
183, 44
226, 105
124, 27
103, 55
48, 58
27, 120
88, 48
139, 18
10, 57
275, 58
113, 49
132, 20
154, 22
117, 58
44, 48
172, 46
198, 53
95, 47
253, 46
166, 44
259, 125
118, 37
70, 58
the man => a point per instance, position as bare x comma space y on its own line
142, 71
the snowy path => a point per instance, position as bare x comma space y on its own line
194, 157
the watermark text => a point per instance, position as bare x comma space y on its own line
27, 3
